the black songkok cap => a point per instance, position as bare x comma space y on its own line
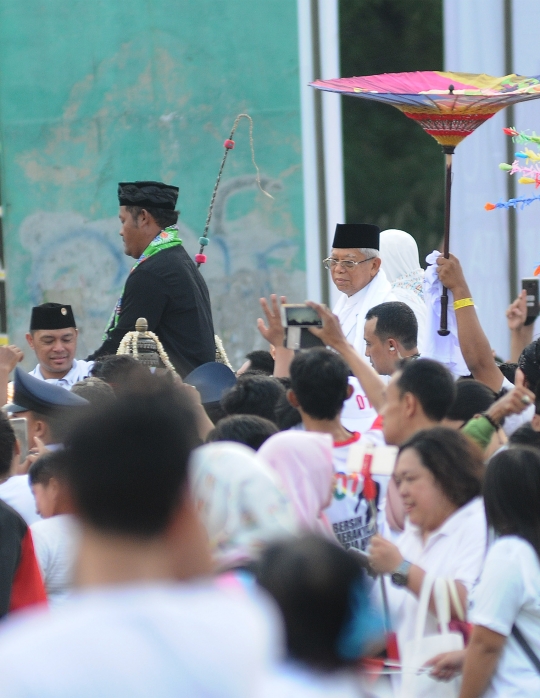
356, 235
148, 195
52, 316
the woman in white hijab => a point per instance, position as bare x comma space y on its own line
241, 503
401, 264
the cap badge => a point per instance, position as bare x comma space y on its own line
63, 311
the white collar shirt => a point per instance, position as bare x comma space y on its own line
78, 372
456, 550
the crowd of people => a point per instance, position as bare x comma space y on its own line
357, 517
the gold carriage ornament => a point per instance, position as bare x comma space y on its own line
146, 347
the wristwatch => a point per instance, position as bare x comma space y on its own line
400, 576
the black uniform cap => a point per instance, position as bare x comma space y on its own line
148, 195
39, 396
211, 380
51, 316
356, 235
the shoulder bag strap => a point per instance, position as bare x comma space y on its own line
442, 604
458, 606
423, 605
522, 642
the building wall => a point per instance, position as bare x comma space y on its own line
96, 93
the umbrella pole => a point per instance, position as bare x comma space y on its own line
448, 152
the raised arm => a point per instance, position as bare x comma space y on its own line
332, 335
474, 344
274, 334
520, 333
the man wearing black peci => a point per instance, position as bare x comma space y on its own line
164, 286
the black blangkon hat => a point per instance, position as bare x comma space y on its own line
51, 316
349, 235
148, 195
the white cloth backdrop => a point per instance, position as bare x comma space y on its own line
474, 43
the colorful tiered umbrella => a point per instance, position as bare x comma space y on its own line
448, 106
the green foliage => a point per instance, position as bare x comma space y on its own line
394, 172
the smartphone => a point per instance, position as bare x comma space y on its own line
299, 315
20, 427
533, 300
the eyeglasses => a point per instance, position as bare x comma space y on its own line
331, 263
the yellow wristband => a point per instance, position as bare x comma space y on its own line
463, 303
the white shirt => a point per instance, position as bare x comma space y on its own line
140, 641
349, 512
456, 550
508, 593
55, 544
358, 414
79, 371
17, 493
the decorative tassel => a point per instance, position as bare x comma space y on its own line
228, 145
520, 201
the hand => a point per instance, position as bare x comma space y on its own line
516, 313
10, 356
446, 665
513, 402
275, 332
451, 275
330, 333
384, 556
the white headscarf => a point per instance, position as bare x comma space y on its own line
399, 254
240, 502
401, 263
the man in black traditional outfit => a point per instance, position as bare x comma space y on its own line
164, 286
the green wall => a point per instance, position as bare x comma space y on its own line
92, 93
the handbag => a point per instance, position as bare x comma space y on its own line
416, 652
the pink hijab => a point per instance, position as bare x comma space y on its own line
303, 462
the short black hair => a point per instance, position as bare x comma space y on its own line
248, 429
320, 381
529, 363
395, 320
128, 463
51, 464
7, 444
120, 371
287, 416
525, 435
313, 581
512, 493
95, 390
454, 461
508, 370
253, 395
261, 360
164, 217
61, 421
432, 385
472, 397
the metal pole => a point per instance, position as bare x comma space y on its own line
448, 152
319, 137
511, 181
